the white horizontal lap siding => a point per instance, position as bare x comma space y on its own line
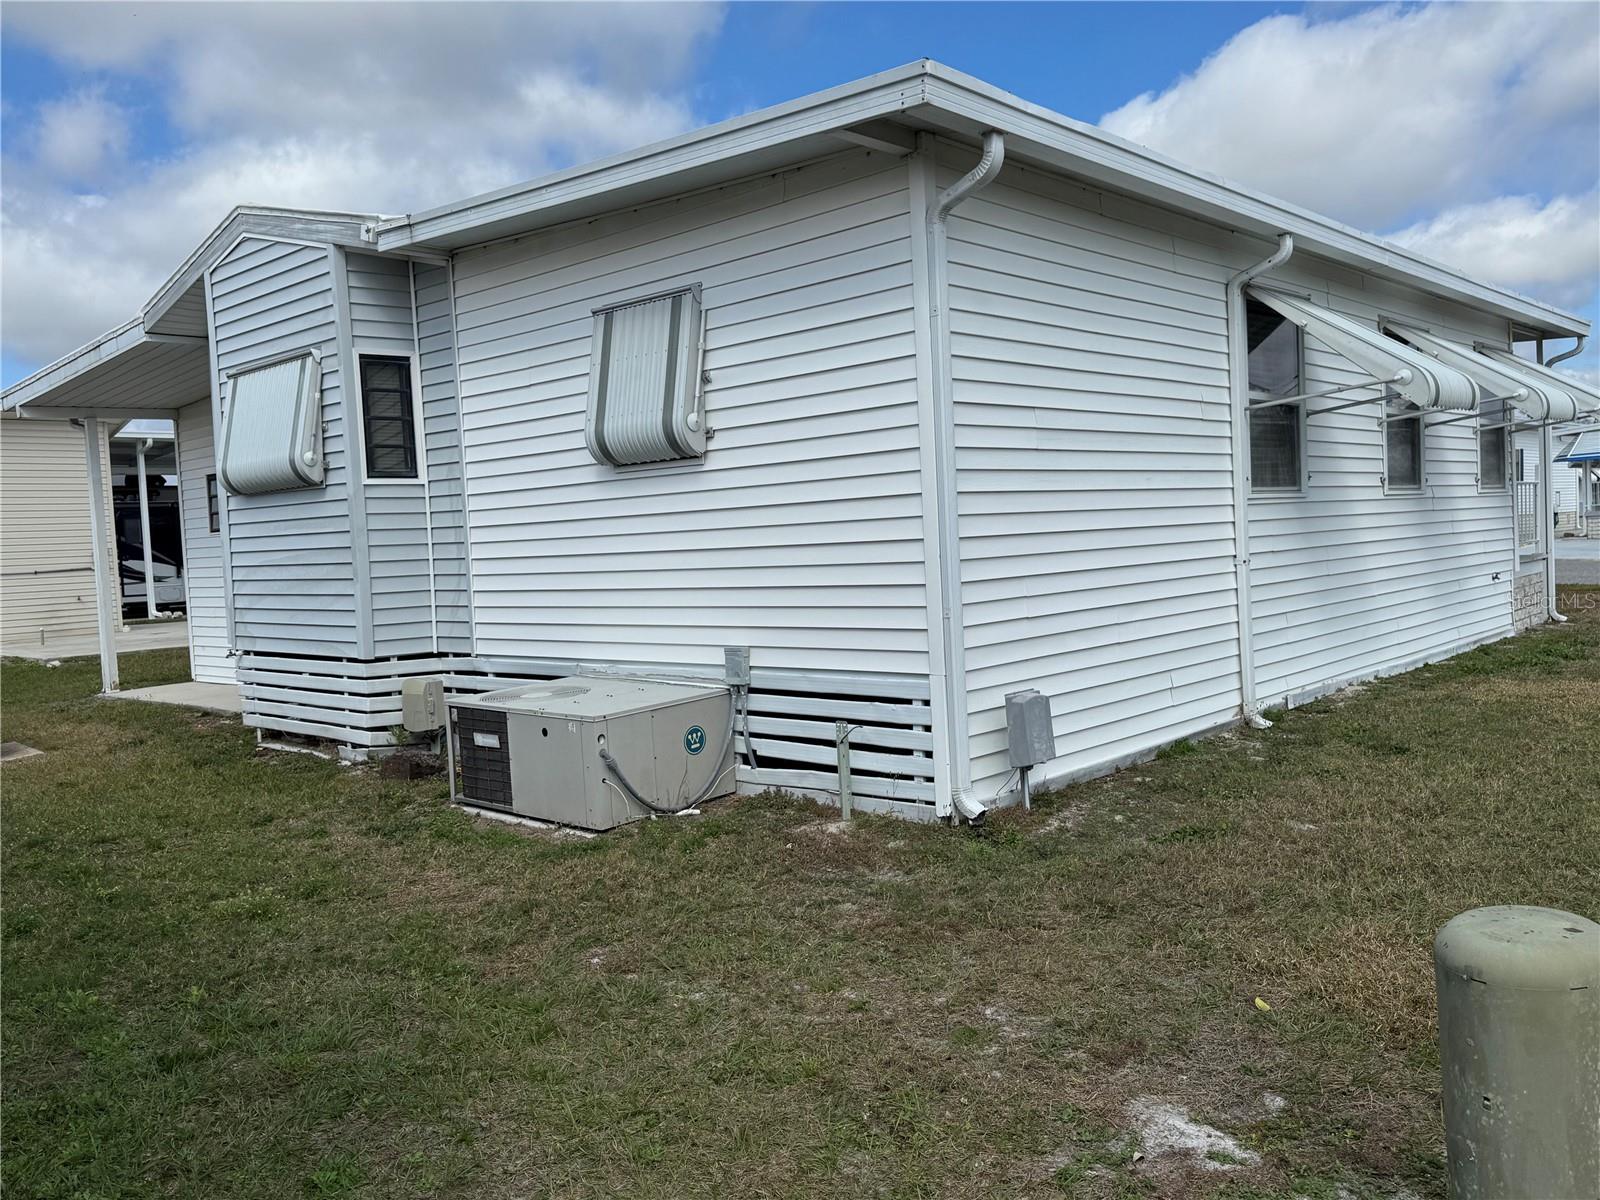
293, 579
800, 532
202, 549
397, 512
1347, 581
46, 568
1091, 399
436, 348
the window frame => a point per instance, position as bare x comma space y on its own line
1390, 488
1257, 491
1504, 431
213, 503
418, 432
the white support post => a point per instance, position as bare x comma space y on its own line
104, 586
144, 536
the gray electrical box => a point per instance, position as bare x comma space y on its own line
535, 750
422, 705
1030, 735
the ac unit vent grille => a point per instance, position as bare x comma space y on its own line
485, 757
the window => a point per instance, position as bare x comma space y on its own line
213, 505
1522, 464
1493, 445
1275, 370
388, 418
644, 381
272, 425
1402, 447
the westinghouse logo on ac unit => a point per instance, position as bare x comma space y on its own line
694, 739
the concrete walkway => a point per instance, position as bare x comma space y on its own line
154, 635
212, 697
1577, 560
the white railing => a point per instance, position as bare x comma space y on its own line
1528, 523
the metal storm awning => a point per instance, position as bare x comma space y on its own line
1584, 399
1543, 399
1420, 378
1585, 448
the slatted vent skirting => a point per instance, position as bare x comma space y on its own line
792, 719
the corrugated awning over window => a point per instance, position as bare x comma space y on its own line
1584, 398
1407, 371
1544, 396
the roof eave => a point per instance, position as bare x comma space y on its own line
962, 106
453, 225
341, 228
1088, 152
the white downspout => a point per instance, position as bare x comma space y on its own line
950, 627
144, 532
1547, 472
1239, 410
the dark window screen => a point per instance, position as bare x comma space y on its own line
388, 421
1403, 451
1274, 351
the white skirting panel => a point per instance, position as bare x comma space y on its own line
792, 718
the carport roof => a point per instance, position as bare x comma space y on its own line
126, 373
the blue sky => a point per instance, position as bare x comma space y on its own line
1469, 131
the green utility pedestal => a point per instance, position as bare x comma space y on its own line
1519, 1043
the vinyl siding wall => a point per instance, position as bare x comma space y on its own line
294, 589
1349, 581
46, 568
1091, 411
1090, 361
800, 533
382, 322
441, 417
202, 549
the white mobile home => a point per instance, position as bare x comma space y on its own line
922, 393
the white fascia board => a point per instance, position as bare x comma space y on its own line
340, 228
1088, 152
453, 225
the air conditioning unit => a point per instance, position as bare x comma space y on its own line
593, 751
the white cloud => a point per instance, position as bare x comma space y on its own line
1386, 115
1550, 249
377, 108
81, 137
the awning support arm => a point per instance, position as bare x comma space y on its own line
1401, 376
1509, 399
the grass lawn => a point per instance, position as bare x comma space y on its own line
231, 974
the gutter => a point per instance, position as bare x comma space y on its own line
1239, 429
941, 532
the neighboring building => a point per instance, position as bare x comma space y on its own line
1575, 478
922, 393
47, 588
